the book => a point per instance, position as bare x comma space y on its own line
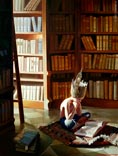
110, 90
39, 24
92, 45
90, 89
36, 5
69, 44
115, 89
116, 62
34, 25
29, 5
85, 43
33, 148
106, 89
91, 128
24, 141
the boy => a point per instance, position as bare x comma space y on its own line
71, 115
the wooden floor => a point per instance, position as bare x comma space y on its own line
35, 118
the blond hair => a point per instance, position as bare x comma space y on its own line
78, 87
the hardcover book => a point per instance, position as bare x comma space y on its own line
91, 128
27, 141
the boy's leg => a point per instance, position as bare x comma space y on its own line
81, 121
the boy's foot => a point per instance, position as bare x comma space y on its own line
80, 123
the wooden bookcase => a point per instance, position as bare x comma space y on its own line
7, 127
61, 48
93, 47
30, 28
98, 51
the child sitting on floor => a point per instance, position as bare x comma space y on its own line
71, 116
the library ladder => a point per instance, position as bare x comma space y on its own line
18, 85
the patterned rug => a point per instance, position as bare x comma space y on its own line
55, 131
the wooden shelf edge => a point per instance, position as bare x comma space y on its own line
27, 13
31, 104
101, 103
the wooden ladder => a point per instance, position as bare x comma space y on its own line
18, 84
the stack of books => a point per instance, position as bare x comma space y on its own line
27, 141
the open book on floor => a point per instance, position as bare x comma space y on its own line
91, 128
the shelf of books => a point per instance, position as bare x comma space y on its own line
61, 38
6, 70
30, 28
98, 48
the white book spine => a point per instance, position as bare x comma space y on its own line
33, 19
39, 24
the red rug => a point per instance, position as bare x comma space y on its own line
55, 131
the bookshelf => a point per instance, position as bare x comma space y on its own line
61, 48
7, 127
30, 28
98, 51
83, 34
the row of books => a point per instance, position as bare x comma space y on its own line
100, 42
5, 78
63, 62
29, 46
99, 76
5, 111
28, 24
103, 89
62, 6
61, 90
66, 42
100, 61
32, 5
63, 42
88, 43
106, 42
61, 23
31, 92
99, 23
21, 5
18, 5
30, 64
99, 5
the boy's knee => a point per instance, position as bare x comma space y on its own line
87, 114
